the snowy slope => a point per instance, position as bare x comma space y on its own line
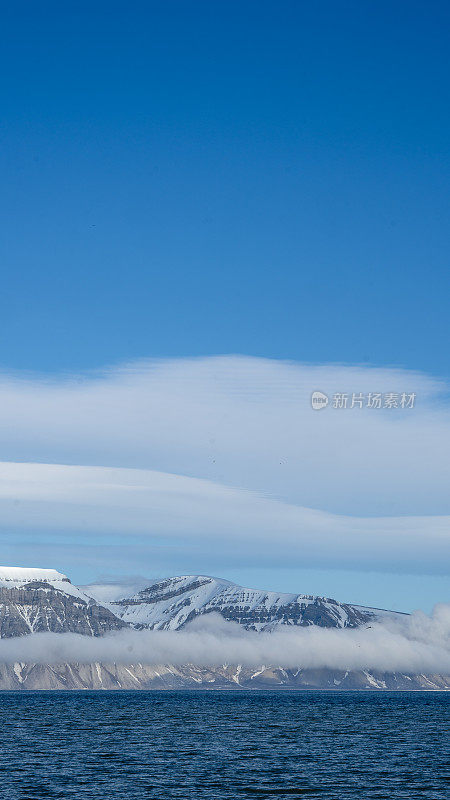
34, 600
170, 604
19, 577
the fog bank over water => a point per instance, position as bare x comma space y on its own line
415, 644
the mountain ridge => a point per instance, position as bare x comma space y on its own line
171, 603
34, 601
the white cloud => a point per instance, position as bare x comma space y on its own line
417, 645
244, 422
154, 504
227, 452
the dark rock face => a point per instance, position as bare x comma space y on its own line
297, 613
165, 590
38, 606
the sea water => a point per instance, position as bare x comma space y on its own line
217, 745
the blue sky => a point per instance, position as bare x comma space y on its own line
196, 179
190, 178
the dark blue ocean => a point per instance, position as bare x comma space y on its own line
224, 745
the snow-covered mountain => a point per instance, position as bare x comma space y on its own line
35, 600
172, 603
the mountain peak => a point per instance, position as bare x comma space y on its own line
171, 603
21, 575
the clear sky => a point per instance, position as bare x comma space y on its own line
189, 179
254, 177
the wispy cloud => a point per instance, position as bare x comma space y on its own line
154, 504
243, 422
228, 450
